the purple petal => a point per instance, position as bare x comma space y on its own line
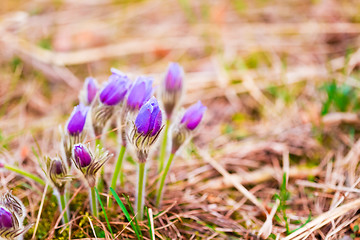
77, 119
5, 219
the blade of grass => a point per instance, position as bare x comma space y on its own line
125, 211
151, 223
102, 207
133, 213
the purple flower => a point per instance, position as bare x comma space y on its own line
140, 92
193, 115
174, 77
77, 119
91, 89
5, 219
82, 156
115, 89
149, 119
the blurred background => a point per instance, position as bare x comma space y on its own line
269, 71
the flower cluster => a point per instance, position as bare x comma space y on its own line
139, 118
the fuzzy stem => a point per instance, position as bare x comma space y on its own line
162, 180
164, 146
100, 184
117, 169
140, 191
24, 173
62, 206
94, 207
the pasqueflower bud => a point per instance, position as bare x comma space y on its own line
77, 120
174, 77
190, 120
115, 89
82, 156
193, 115
57, 173
147, 127
90, 90
11, 223
6, 219
88, 162
139, 93
13, 204
172, 88
111, 95
75, 130
149, 119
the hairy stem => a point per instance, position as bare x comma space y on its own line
140, 191
164, 146
162, 180
62, 207
24, 173
118, 169
100, 184
94, 207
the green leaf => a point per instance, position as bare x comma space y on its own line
125, 211
102, 207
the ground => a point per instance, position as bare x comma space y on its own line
277, 153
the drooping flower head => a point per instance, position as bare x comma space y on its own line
77, 120
115, 89
88, 162
189, 121
57, 173
147, 127
193, 115
11, 222
172, 89
140, 93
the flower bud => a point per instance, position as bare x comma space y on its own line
172, 88
13, 204
147, 128
77, 120
183, 131
139, 93
57, 173
6, 219
115, 89
12, 214
88, 162
174, 77
91, 89
81, 156
149, 119
193, 115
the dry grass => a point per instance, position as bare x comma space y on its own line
258, 66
